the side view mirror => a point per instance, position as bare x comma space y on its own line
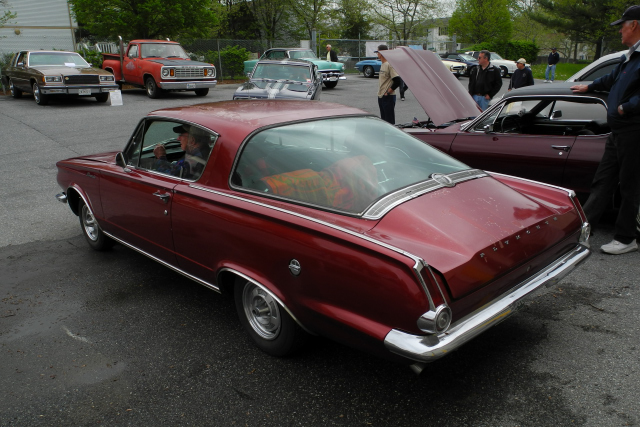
556, 114
120, 160
488, 129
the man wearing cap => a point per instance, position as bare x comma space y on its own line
192, 163
620, 162
485, 82
388, 82
554, 58
522, 76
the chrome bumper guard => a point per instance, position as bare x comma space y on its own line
332, 76
431, 347
188, 85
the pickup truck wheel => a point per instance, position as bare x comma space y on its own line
330, 85
102, 97
202, 92
41, 98
91, 230
15, 92
153, 91
267, 323
368, 71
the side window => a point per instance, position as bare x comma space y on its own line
133, 51
22, 57
176, 149
599, 72
580, 111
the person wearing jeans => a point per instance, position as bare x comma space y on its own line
553, 59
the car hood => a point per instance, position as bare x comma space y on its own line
441, 95
180, 63
68, 71
326, 65
273, 89
474, 232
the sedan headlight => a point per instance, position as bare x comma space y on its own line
53, 79
107, 78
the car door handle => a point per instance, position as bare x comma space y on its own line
163, 196
561, 147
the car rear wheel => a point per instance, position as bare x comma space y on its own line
368, 71
41, 98
153, 91
267, 323
202, 92
330, 85
504, 72
15, 92
91, 230
102, 97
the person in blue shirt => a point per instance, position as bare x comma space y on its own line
620, 162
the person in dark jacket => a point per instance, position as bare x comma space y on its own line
331, 55
522, 76
620, 162
486, 81
552, 60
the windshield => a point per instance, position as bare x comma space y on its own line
468, 57
496, 56
163, 50
282, 72
64, 59
297, 54
342, 164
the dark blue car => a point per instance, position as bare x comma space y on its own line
469, 60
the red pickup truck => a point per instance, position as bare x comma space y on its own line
159, 66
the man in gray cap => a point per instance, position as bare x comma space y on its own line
388, 82
620, 162
522, 76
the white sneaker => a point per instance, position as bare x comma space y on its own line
617, 248
546, 81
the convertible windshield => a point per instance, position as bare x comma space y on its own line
282, 72
163, 50
64, 59
341, 164
297, 54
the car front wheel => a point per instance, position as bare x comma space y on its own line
102, 97
41, 98
368, 71
153, 91
91, 230
270, 326
330, 85
504, 72
202, 92
15, 92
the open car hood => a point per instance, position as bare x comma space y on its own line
440, 94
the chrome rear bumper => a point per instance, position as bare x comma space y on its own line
431, 347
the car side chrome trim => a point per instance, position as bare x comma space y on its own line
166, 264
418, 263
264, 288
427, 348
390, 201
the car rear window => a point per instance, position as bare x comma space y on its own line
342, 164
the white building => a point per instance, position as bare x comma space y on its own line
39, 24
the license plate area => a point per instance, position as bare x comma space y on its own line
191, 85
84, 91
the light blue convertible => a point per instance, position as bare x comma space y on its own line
369, 67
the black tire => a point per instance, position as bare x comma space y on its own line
153, 91
268, 324
41, 98
330, 85
102, 97
91, 229
202, 92
367, 71
504, 72
15, 92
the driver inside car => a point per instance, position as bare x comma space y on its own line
190, 165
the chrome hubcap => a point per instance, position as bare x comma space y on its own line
89, 223
262, 311
36, 93
11, 87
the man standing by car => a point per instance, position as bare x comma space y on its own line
620, 162
331, 55
388, 82
522, 76
554, 58
486, 81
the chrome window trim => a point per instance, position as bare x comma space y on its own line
402, 195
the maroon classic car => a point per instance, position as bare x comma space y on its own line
322, 219
543, 132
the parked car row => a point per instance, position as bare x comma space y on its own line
371, 67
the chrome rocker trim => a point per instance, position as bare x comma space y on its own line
431, 347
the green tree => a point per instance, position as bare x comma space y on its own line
351, 19
582, 21
403, 18
476, 21
7, 15
311, 13
268, 14
146, 18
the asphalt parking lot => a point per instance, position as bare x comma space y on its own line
113, 338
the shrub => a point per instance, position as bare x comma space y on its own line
93, 57
233, 58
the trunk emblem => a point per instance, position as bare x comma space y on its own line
443, 180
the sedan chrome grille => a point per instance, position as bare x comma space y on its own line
82, 79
